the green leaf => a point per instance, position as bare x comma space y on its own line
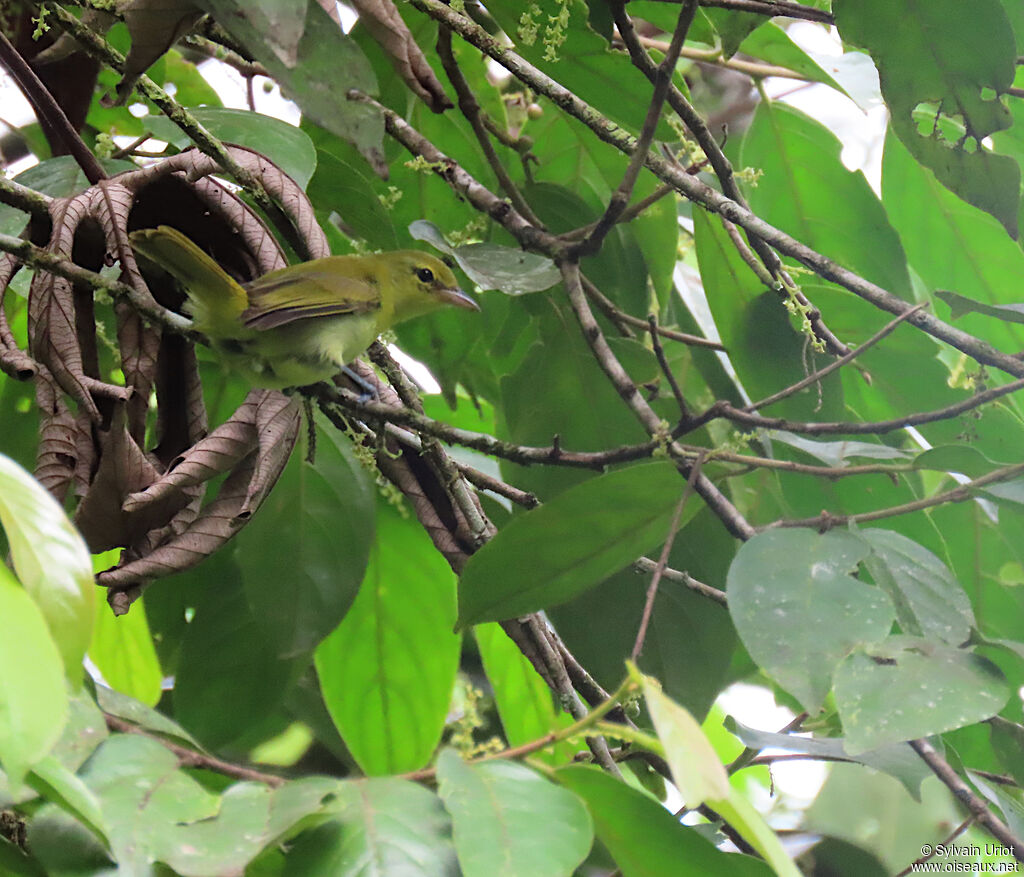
898, 760
316, 71
951, 244
491, 266
798, 610
764, 348
388, 670
285, 145
696, 770
384, 826
508, 821
51, 560
304, 554
955, 458
700, 777
806, 190
571, 543
952, 60
141, 793
250, 817
929, 601
342, 185
771, 43
644, 838
136, 712
251, 674
917, 689
960, 305
540, 399
122, 650
58, 785
33, 701
837, 453
523, 699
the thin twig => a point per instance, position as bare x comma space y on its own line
813, 378
827, 520
666, 369
48, 111
470, 108
914, 866
661, 80
879, 427
659, 569
975, 805
190, 758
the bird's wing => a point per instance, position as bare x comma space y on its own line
321, 288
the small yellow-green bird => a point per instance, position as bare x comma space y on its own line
303, 323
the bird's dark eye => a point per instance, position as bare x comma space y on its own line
425, 275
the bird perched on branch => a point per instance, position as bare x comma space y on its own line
303, 323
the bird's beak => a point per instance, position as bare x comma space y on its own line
455, 296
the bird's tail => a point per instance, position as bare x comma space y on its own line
215, 299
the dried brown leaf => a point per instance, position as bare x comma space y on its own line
217, 523
123, 469
219, 452
57, 451
154, 25
384, 23
277, 427
13, 360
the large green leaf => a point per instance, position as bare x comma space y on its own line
51, 561
644, 838
388, 670
304, 554
913, 689
798, 610
510, 822
250, 673
951, 244
287, 146
383, 826
540, 399
122, 650
250, 817
33, 702
929, 601
806, 191
316, 68
956, 62
551, 554
765, 349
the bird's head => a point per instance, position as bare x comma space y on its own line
423, 283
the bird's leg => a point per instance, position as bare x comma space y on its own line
369, 391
